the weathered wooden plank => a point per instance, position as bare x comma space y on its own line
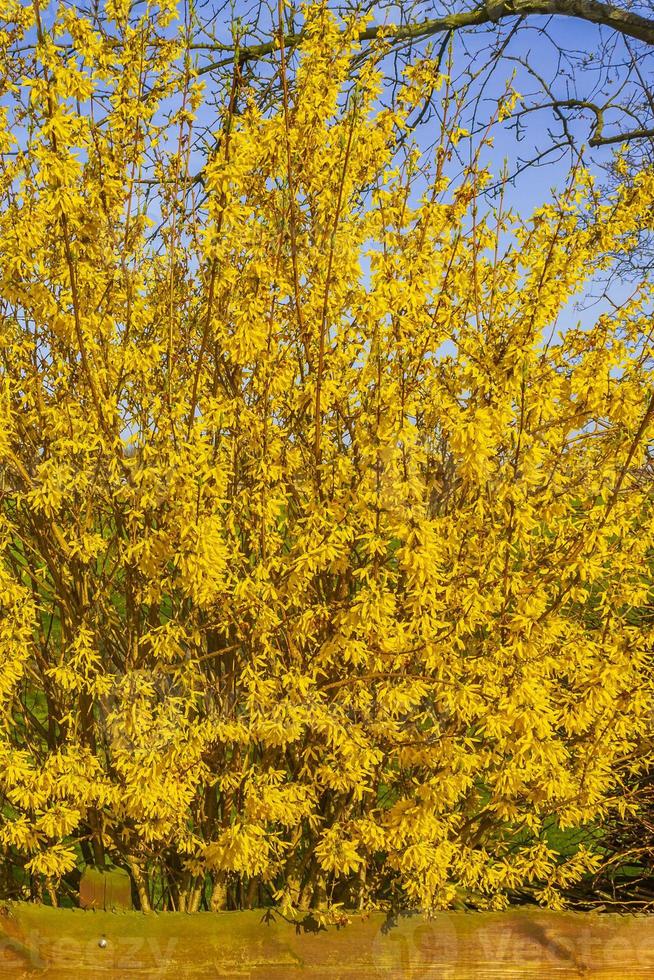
516, 945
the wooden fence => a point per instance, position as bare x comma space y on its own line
65, 944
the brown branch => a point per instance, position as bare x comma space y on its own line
634, 134
618, 19
597, 137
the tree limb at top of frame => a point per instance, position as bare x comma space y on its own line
623, 21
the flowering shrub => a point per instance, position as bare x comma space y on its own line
320, 545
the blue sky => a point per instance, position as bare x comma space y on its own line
532, 53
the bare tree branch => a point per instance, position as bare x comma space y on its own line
623, 21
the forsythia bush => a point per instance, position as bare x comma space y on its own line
323, 522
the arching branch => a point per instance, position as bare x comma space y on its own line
623, 21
